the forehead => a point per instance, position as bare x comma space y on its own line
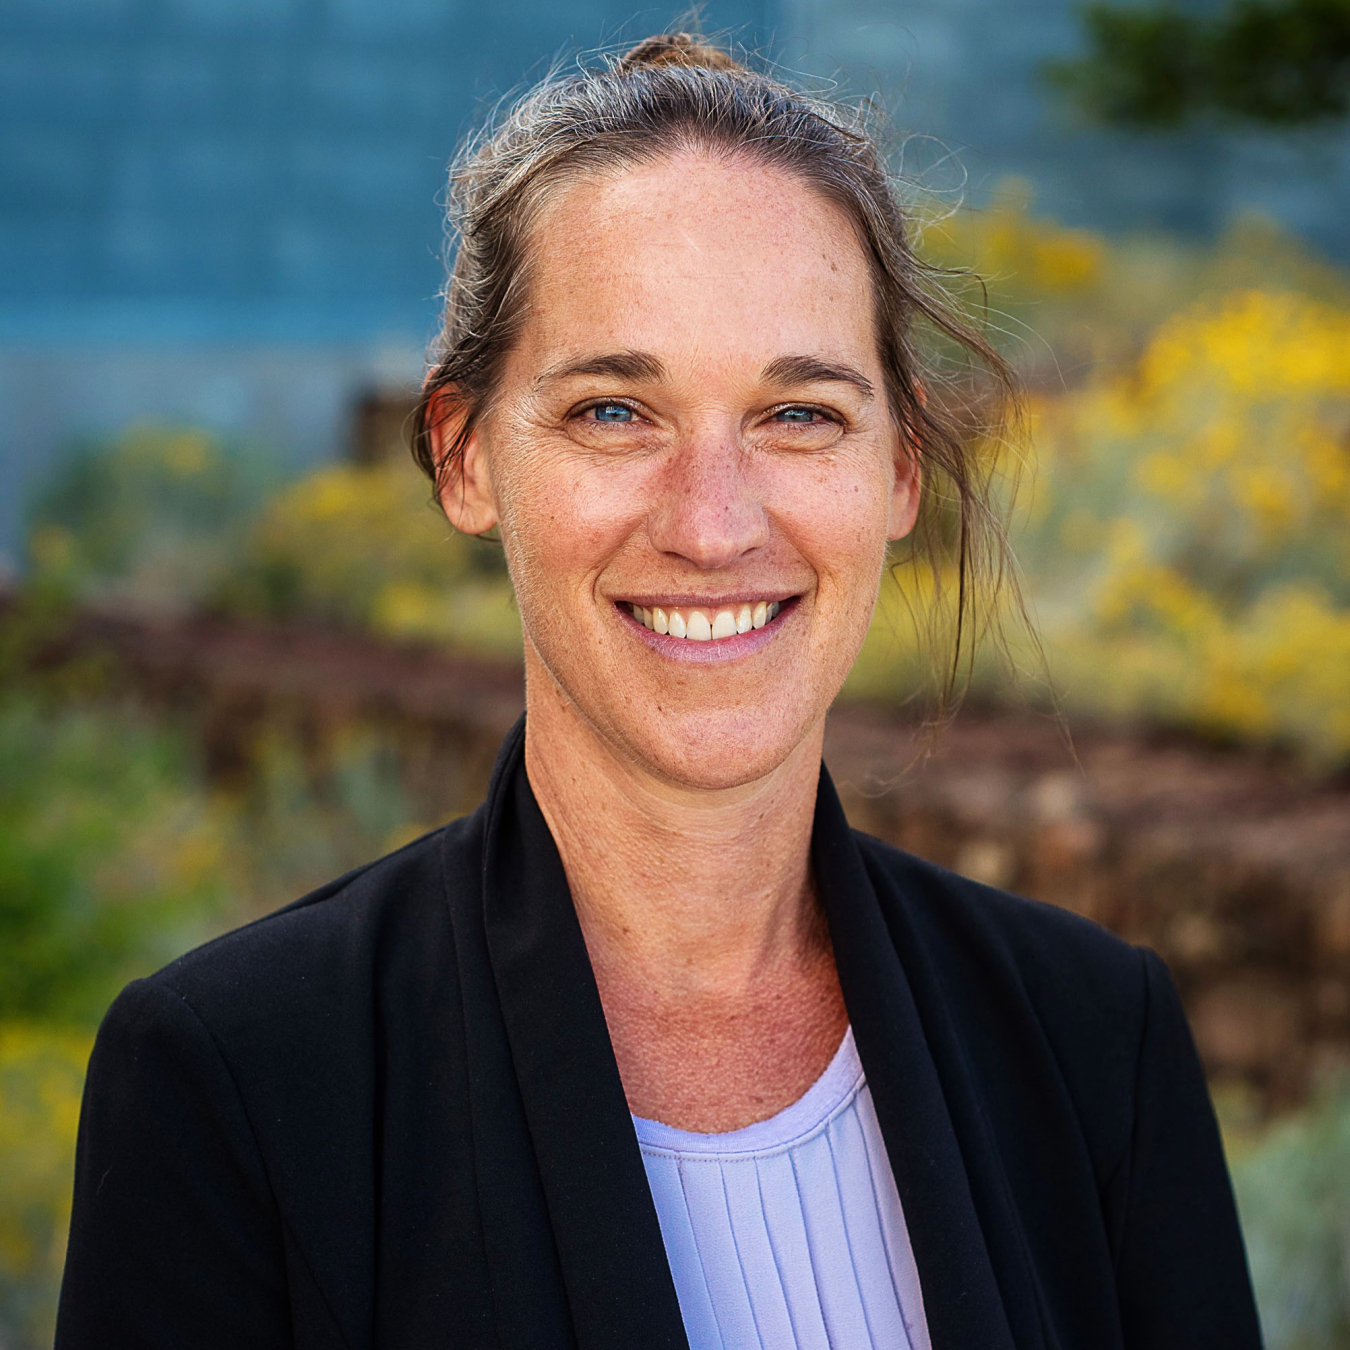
698, 257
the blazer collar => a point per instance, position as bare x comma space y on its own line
604, 1222
594, 1187
913, 1094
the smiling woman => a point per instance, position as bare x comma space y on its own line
653, 1050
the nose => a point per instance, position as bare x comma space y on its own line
708, 509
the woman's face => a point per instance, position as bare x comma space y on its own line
693, 463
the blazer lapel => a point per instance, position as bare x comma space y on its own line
962, 1299
572, 1237
529, 1301
603, 1221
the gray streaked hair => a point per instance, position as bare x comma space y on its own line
952, 393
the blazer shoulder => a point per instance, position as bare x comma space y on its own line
332, 948
1022, 978
1041, 942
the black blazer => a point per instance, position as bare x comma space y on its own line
390, 1116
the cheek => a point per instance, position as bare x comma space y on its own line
839, 522
560, 521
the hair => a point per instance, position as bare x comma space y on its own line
952, 393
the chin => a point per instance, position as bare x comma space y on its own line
720, 748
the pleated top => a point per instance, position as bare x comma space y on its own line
789, 1233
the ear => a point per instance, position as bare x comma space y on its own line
904, 507
463, 486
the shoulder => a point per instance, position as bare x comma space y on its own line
1031, 986
315, 971
1052, 952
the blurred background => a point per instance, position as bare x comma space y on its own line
240, 653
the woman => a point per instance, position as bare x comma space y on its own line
652, 1050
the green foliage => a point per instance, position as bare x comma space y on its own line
107, 855
1181, 538
155, 516
308, 814
1280, 63
363, 547
171, 518
41, 1080
115, 857
1143, 68
1293, 1191
1185, 541
1180, 527
1067, 303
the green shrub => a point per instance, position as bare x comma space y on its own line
156, 515
1293, 1190
109, 855
1181, 536
114, 858
363, 547
41, 1079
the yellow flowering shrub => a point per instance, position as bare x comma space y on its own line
41, 1079
1063, 301
1185, 535
1181, 531
1015, 250
363, 546
154, 516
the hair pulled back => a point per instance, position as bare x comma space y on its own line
673, 93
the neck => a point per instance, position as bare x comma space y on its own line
704, 889
708, 945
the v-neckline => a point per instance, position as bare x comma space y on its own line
608, 1241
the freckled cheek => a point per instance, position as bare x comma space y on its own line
563, 530
840, 529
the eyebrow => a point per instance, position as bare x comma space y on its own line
784, 370
613, 365
633, 365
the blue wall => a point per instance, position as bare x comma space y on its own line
253, 169
224, 211
969, 73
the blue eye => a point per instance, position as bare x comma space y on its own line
800, 415
612, 412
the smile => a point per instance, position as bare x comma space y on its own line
706, 624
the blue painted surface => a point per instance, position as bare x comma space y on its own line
251, 167
224, 211
969, 73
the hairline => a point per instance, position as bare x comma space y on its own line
539, 192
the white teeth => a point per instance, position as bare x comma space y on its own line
695, 625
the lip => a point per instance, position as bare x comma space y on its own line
708, 604
705, 653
